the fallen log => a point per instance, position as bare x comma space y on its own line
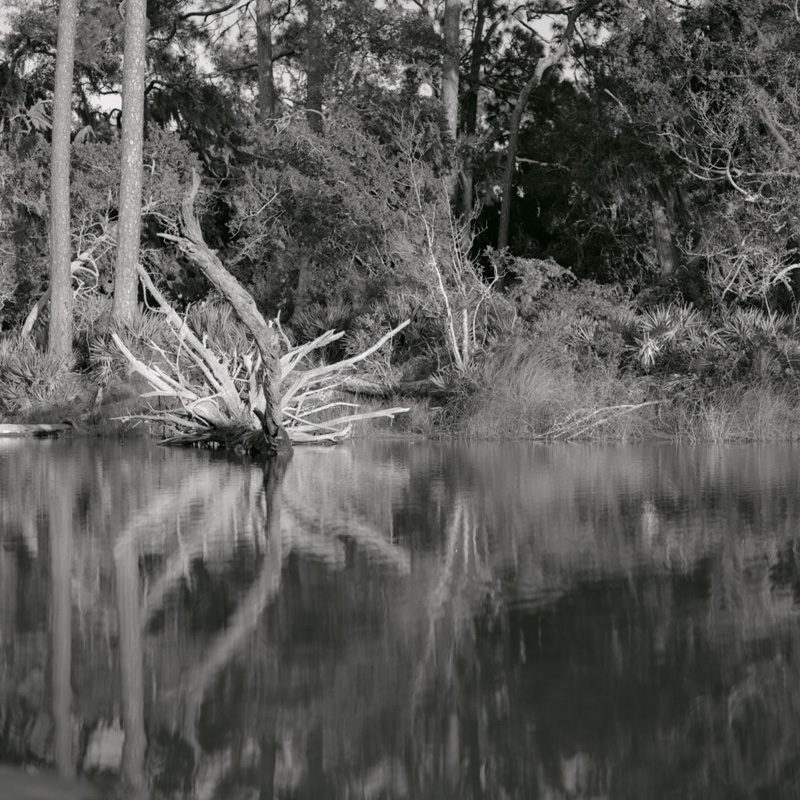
224, 406
575, 427
193, 245
13, 429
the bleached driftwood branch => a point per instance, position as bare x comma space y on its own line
193, 245
216, 398
224, 398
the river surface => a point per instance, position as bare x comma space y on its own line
396, 619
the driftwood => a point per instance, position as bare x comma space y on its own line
9, 429
304, 391
574, 427
212, 410
256, 401
214, 370
193, 246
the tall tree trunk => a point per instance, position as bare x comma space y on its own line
470, 123
664, 242
130, 188
450, 63
513, 138
315, 63
470, 119
60, 330
266, 79
553, 57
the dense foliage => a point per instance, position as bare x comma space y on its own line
653, 237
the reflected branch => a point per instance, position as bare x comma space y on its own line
220, 506
248, 615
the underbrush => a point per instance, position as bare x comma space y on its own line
32, 379
739, 413
523, 390
86, 390
560, 360
586, 363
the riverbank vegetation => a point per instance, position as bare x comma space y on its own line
586, 213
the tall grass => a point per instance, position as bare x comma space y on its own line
741, 413
527, 389
517, 393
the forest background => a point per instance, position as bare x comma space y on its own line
588, 212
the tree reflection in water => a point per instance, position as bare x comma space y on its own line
403, 620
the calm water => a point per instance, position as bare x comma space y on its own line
403, 620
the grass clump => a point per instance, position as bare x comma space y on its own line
525, 389
739, 413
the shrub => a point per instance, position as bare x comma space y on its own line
526, 389
739, 413
734, 345
32, 378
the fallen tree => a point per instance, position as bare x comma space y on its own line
217, 399
254, 401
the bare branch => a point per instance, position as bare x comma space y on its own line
214, 11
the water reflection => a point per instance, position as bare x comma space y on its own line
392, 620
